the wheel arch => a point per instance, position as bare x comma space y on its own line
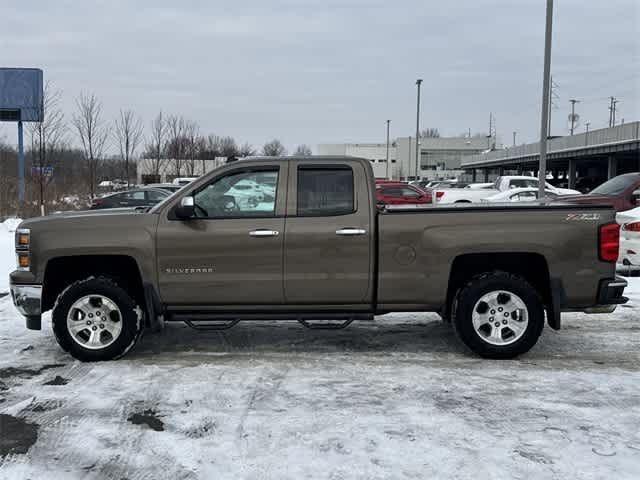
62, 271
530, 266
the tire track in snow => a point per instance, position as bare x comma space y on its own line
264, 389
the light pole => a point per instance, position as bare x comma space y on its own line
573, 113
418, 83
586, 132
388, 169
546, 81
514, 139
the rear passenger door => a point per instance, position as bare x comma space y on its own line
328, 235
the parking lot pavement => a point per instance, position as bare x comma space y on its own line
395, 398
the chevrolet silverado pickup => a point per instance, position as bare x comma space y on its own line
310, 244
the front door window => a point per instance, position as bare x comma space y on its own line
241, 194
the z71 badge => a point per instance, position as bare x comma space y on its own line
583, 217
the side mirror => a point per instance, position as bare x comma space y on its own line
635, 197
186, 209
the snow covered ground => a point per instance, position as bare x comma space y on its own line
395, 398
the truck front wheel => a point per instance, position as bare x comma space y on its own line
498, 315
95, 319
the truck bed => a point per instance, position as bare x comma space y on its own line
418, 247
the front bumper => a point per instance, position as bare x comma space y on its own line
609, 295
28, 301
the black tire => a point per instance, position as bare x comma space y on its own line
473, 291
132, 324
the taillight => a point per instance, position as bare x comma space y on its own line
96, 202
632, 227
609, 242
439, 195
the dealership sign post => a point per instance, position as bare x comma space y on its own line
21, 100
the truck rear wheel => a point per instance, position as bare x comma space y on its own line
498, 315
95, 320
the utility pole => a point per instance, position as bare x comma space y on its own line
586, 133
490, 130
388, 169
573, 113
418, 83
611, 106
514, 139
614, 111
546, 83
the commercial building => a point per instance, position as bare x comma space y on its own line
439, 157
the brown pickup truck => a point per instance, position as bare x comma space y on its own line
303, 239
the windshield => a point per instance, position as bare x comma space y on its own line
615, 186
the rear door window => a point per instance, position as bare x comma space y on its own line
325, 191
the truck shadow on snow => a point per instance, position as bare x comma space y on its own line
424, 334
289, 336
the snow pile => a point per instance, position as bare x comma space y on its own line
7, 252
12, 223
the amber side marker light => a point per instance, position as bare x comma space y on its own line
23, 237
24, 261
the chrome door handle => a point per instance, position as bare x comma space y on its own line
350, 231
263, 232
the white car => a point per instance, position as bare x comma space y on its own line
246, 192
629, 221
502, 184
182, 181
519, 195
520, 181
483, 186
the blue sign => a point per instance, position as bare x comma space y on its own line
44, 171
21, 95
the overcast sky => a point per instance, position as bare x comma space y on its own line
332, 71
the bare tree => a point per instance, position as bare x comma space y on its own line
47, 138
302, 151
127, 135
274, 148
8, 178
191, 153
212, 149
246, 150
176, 142
430, 133
228, 147
155, 149
93, 133
201, 151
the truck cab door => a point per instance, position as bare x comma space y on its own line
230, 252
328, 249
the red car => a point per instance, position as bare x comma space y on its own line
623, 192
389, 193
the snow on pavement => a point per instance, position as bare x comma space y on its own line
395, 398
7, 255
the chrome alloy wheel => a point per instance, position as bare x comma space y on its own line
94, 322
500, 317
